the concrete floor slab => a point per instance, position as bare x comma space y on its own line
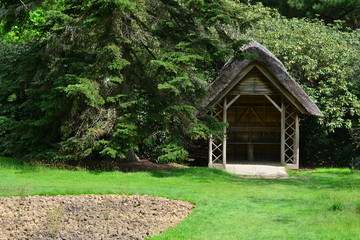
257, 170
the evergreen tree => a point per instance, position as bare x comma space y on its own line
102, 78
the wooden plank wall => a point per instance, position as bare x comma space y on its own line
254, 122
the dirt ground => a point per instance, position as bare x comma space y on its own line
88, 216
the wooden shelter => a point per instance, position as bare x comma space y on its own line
261, 104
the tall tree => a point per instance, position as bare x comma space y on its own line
324, 60
102, 78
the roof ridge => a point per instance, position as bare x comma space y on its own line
233, 67
255, 44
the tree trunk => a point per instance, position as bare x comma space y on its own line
131, 156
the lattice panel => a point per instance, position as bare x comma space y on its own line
217, 143
218, 111
217, 151
290, 134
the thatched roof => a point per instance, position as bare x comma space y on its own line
264, 59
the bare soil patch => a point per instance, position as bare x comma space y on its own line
88, 216
143, 165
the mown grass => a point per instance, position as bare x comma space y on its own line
323, 204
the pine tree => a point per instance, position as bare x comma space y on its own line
105, 78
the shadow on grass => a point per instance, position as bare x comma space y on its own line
323, 178
96, 172
201, 172
24, 166
320, 179
14, 164
11, 163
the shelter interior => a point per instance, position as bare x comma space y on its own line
254, 130
256, 126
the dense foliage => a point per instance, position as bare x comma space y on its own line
328, 10
95, 78
325, 61
102, 78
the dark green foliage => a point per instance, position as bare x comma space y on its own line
173, 153
328, 10
324, 60
95, 78
90, 79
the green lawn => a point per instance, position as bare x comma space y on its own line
324, 204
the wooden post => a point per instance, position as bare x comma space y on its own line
250, 152
296, 144
224, 120
282, 151
210, 150
232, 100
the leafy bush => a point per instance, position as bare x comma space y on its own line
173, 153
324, 61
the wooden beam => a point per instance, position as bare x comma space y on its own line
296, 144
282, 151
224, 120
254, 143
253, 129
232, 84
262, 123
274, 103
284, 92
210, 149
232, 101
242, 115
267, 104
211, 143
250, 152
